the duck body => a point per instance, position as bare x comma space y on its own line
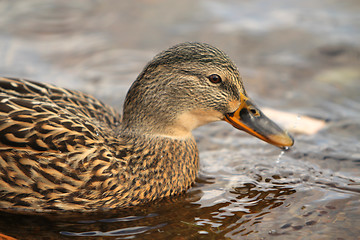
62, 150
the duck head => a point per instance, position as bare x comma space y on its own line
189, 85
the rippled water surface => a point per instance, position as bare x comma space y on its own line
296, 56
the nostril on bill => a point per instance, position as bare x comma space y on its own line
254, 112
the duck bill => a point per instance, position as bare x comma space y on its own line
251, 120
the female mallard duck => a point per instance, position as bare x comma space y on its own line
65, 150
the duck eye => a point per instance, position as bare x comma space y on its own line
214, 78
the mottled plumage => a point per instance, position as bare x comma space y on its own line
65, 150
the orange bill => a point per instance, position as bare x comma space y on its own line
251, 120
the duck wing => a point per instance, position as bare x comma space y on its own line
50, 140
35, 95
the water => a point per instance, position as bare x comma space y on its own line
292, 59
280, 156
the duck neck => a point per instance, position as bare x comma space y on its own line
155, 133
160, 126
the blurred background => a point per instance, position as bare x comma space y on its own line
301, 57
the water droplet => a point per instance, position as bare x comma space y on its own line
280, 155
272, 232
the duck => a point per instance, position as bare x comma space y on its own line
64, 150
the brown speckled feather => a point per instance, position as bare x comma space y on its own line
59, 150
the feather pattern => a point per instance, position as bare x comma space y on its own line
59, 150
